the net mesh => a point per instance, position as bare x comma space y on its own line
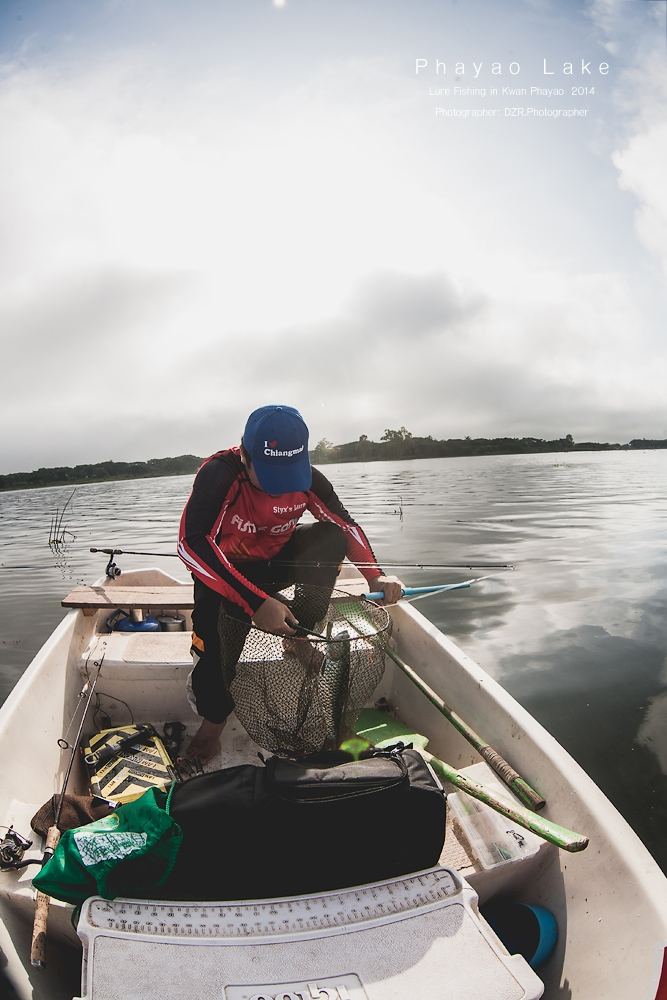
299, 696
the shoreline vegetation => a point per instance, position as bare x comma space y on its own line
393, 445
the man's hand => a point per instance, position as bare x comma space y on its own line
274, 616
392, 587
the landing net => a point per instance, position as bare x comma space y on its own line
299, 696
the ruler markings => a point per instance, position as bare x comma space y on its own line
359, 906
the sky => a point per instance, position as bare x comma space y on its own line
211, 206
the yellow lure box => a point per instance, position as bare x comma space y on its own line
138, 765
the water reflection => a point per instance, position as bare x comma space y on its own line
596, 690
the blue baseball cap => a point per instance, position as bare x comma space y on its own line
276, 440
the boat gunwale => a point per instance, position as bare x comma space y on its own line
585, 791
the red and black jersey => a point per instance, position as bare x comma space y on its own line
227, 521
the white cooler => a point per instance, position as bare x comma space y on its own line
418, 937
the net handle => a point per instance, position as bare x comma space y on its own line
337, 596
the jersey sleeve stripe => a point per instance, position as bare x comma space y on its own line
192, 563
235, 588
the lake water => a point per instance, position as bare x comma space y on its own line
577, 632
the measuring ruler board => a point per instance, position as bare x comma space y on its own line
275, 918
391, 939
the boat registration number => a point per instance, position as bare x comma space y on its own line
335, 988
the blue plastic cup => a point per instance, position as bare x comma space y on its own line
524, 928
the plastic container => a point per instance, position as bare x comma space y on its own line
524, 928
147, 624
493, 839
171, 623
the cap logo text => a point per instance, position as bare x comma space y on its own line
271, 452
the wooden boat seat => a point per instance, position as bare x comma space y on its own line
177, 597
172, 597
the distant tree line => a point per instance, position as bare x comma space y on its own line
394, 444
647, 443
101, 471
401, 443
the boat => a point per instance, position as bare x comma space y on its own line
609, 900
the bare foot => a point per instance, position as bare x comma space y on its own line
304, 651
205, 744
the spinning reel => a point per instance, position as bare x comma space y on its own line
12, 848
112, 571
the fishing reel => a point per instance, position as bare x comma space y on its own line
112, 571
12, 848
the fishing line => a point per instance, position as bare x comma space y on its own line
103, 694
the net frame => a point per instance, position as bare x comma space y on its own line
298, 696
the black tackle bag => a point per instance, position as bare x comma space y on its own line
291, 827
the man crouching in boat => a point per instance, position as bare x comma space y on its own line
240, 539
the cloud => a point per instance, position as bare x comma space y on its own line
184, 242
467, 364
642, 157
637, 31
606, 16
83, 341
84, 307
427, 351
641, 166
405, 305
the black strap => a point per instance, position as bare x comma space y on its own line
144, 734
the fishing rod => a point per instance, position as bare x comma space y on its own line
320, 563
378, 595
38, 947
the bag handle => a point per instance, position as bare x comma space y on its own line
394, 753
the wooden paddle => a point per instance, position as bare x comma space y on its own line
380, 729
505, 771
525, 792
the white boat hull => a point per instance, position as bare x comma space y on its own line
610, 901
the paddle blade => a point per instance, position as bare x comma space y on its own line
380, 729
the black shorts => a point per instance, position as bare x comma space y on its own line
215, 660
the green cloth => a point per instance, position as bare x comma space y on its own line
128, 853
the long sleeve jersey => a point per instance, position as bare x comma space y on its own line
227, 521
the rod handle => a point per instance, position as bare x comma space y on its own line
512, 778
38, 947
